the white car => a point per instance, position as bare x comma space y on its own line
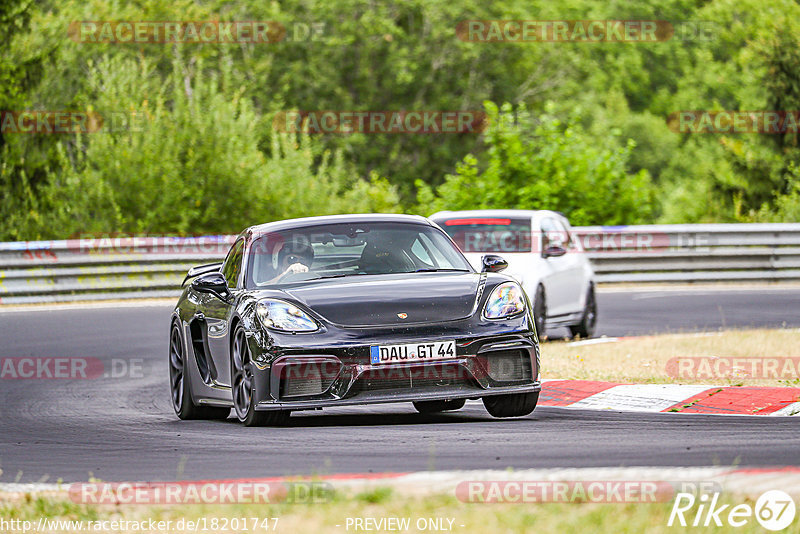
542, 254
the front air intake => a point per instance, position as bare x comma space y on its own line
509, 366
306, 379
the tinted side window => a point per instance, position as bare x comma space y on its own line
233, 263
554, 234
564, 234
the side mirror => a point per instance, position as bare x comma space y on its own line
554, 251
213, 283
493, 264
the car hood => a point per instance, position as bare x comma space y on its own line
382, 300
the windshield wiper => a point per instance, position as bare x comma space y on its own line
335, 276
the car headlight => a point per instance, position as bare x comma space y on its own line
285, 316
505, 301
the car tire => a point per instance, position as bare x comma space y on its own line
513, 405
588, 324
540, 312
439, 406
242, 387
180, 385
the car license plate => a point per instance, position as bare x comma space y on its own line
413, 352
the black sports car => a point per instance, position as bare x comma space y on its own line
350, 309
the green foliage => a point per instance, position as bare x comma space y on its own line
536, 162
785, 207
188, 161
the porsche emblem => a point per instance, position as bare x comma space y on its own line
402, 315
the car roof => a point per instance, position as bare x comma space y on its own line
494, 213
290, 224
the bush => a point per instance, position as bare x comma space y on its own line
540, 163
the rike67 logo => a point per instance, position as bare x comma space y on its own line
774, 510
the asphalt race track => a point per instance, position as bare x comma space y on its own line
123, 428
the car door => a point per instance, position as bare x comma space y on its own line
555, 275
571, 265
218, 312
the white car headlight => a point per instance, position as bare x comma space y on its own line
285, 316
505, 301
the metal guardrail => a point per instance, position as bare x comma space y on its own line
119, 268
102, 268
693, 252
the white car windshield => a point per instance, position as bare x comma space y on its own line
489, 234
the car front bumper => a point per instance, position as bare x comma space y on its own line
342, 375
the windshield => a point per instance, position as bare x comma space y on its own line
489, 234
338, 250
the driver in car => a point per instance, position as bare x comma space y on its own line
293, 257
